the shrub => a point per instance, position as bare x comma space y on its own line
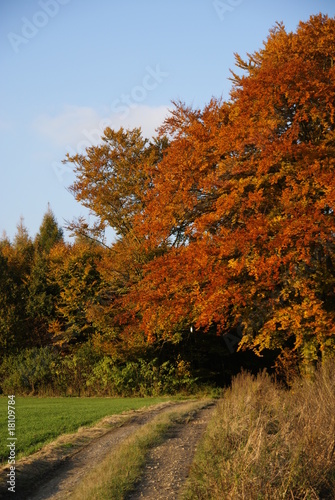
28, 372
84, 372
140, 378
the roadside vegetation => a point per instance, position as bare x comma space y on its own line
41, 420
267, 442
41, 371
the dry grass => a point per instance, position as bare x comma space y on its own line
265, 442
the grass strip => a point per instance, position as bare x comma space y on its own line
116, 475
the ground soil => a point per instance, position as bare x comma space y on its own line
56, 470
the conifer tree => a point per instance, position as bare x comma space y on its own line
49, 233
42, 291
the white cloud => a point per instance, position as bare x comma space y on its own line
146, 117
76, 128
66, 127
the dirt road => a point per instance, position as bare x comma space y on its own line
55, 471
168, 465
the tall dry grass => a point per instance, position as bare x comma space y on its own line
266, 442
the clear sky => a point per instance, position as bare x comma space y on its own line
71, 67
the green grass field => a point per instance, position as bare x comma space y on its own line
41, 420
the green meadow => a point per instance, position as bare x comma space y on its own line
41, 420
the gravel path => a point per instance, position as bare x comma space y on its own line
169, 463
55, 471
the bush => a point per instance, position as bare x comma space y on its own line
140, 378
83, 372
28, 372
71, 372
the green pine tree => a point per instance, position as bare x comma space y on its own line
49, 233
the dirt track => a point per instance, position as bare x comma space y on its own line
168, 465
55, 471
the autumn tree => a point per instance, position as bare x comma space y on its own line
112, 179
228, 223
15, 265
73, 269
244, 196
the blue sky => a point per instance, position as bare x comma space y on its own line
71, 67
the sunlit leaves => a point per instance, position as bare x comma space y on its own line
241, 193
224, 220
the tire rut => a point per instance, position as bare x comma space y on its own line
169, 463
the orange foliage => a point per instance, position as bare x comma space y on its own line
227, 218
244, 197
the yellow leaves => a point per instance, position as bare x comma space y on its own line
233, 263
